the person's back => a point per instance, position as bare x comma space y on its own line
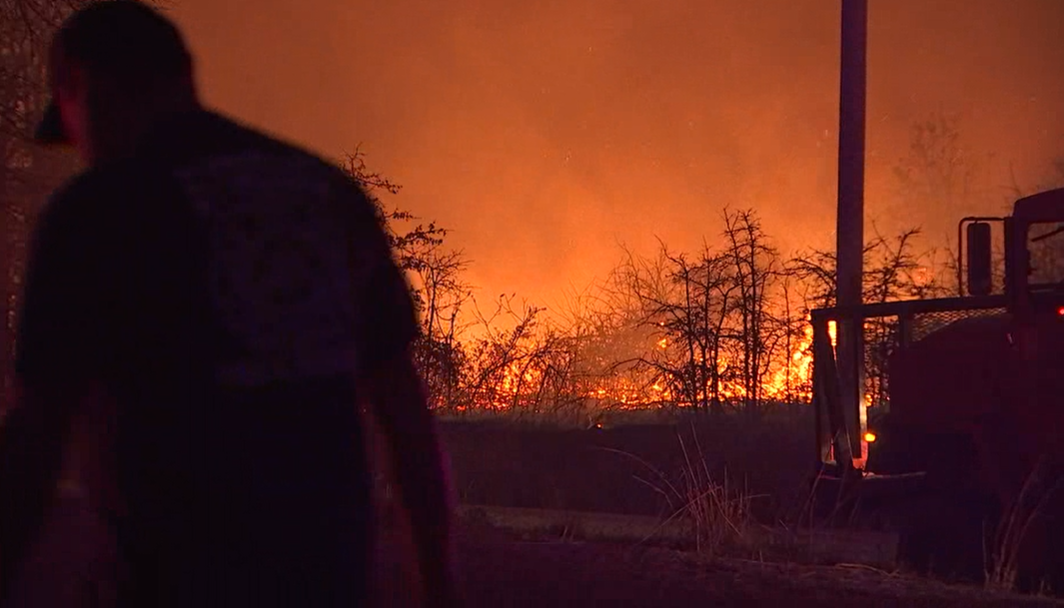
229, 337
270, 450
233, 299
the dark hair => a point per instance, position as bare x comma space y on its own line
124, 40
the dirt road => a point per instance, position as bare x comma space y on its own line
501, 571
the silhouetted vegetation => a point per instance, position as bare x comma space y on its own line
720, 329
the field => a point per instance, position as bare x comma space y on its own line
506, 570
634, 468
514, 557
503, 570
566, 517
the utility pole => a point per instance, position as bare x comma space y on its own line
849, 229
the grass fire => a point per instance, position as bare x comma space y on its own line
717, 302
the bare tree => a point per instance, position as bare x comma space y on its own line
413, 242
794, 382
713, 317
442, 296
894, 270
756, 271
525, 370
685, 303
439, 290
604, 324
635, 291
444, 292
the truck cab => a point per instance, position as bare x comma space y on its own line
974, 407
990, 358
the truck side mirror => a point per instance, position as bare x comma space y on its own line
980, 279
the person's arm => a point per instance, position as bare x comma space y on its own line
34, 429
64, 545
397, 397
58, 326
31, 441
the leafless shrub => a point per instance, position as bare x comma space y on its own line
895, 269
719, 513
1003, 551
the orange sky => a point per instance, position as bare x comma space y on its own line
545, 132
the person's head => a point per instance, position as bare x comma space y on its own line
116, 68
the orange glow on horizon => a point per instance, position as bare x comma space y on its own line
519, 128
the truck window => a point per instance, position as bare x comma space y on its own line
1045, 242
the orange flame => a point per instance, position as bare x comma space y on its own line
789, 380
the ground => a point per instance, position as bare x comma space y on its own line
500, 569
504, 571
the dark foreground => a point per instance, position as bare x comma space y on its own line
500, 570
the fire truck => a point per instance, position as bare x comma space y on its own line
963, 453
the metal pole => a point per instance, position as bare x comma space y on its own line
850, 219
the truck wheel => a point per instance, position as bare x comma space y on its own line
944, 535
944, 532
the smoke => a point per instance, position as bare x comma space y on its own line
544, 133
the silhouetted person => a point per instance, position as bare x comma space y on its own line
217, 304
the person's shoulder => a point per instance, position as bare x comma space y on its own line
78, 189
68, 216
102, 200
97, 185
315, 165
239, 147
77, 197
255, 139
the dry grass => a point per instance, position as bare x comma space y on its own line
579, 470
1003, 551
719, 512
522, 574
690, 486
